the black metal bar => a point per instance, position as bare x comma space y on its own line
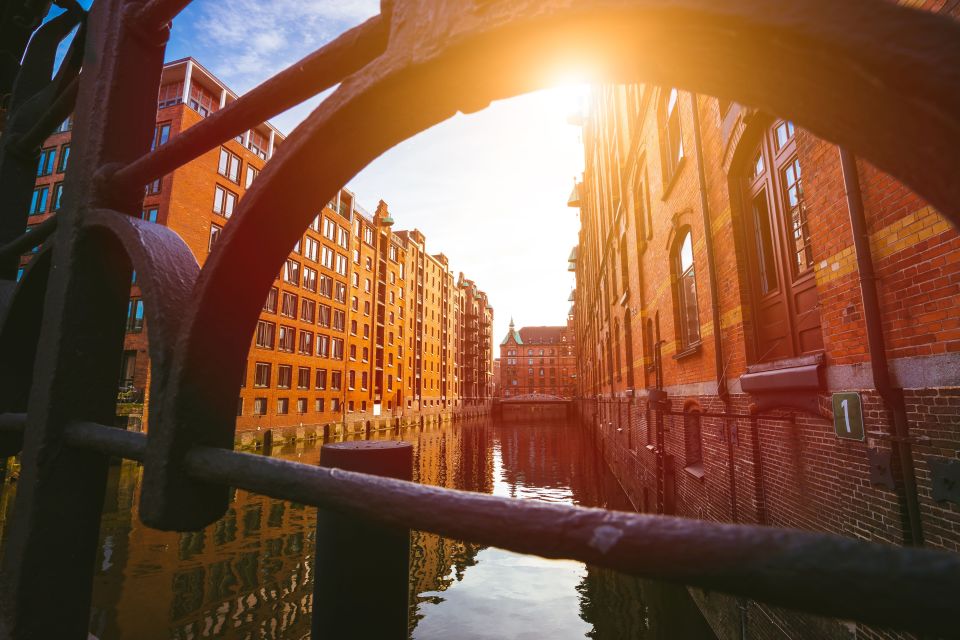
29, 240
818, 573
111, 441
61, 108
350, 550
317, 72
53, 535
156, 14
13, 422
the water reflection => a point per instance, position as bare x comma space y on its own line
249, 575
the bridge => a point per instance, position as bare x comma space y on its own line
533, 406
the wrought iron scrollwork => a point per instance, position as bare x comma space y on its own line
857, 70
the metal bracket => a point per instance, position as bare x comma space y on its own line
881, 472
945, 476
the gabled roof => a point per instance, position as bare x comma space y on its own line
512, 333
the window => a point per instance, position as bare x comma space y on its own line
64, 158
341, 264
270, 304
311, 248
320, 381
303, 377
252, 173
337, 349
57, 196
259, 406
336, 381
291, 272
229, 165
286, 339
283, 406
305, 345
224, 201
301, 405
239, 407
135, 315
310, 279
326, 257
46, 162
38, 202
779, 250
325, 287
261, 375
161, 134
284, 376
368, 236
329, 229
343, 237
340, 295
671, 141
323, 318
339, 319
288, 305
318, 405
308, 311
215, 232
688, 318
266, 333
66, 125
351, 379
693, 443
150, 214
323, 345
153, 188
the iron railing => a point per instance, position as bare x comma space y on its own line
416, 64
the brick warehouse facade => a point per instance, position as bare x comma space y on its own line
361, 327
538, 360
761, 335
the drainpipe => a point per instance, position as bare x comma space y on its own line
892, 396
722, 391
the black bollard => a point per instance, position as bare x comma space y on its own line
361, 576
267, 442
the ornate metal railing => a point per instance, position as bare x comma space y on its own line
851, 72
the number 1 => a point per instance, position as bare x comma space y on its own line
846, 414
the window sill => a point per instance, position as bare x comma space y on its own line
696, 471
689, 351
674, 178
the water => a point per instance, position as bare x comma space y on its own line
250, 574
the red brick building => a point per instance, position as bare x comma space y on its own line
330, 346
717, 267
538, 360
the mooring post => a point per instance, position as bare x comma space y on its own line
361, 576
267, 442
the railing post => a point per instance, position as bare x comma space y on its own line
361, 575
52, 541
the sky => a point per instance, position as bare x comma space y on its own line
489, 189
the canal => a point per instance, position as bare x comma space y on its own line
249, 575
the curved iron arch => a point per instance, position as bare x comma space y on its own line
825, 65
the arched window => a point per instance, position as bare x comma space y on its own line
688, 318
616, 349
671, 138
786, 309
628, 344
692, 439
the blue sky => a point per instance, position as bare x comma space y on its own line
489, 190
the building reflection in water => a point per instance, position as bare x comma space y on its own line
249, 575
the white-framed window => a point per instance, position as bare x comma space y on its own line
224, 201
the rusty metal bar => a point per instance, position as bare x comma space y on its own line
814, 572
317, 72
29, 240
